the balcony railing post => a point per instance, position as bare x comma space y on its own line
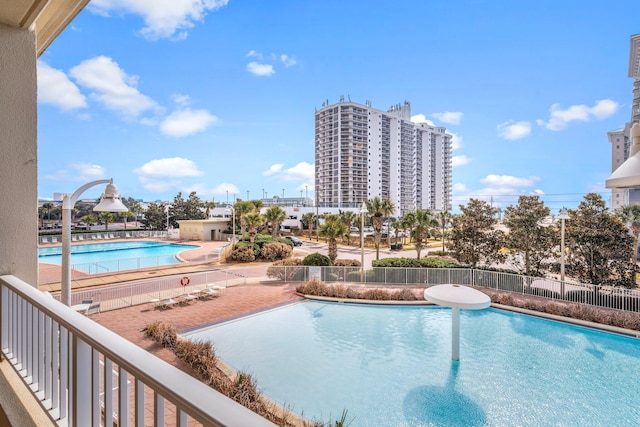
81, 380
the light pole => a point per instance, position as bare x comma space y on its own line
562, 216
233, 226
363, 212
247, 195
166, 208
109, 202
227, 196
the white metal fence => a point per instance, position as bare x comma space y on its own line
145, 291
105, 235
85, 375
570, 291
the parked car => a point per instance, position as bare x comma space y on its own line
294, 240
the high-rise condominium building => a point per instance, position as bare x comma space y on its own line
620, 138
362, 152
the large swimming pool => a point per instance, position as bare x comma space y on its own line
391, 366
115, 256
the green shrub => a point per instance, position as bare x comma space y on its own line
316, 259
347, 263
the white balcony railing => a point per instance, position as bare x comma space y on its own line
86, 375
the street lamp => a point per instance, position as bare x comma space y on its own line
109, 202
562, 216
363, 212
233, 220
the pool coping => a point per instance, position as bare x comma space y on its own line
593, 325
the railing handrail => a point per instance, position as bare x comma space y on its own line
193, 397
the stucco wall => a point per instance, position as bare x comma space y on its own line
18, 162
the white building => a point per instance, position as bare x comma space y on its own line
362, 152
620, 139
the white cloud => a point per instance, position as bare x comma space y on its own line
561, 118
303, 171
111, 86
456, 141
168, 167
253, 54
79, 172
288, 61
180, 99
449, 117
162, 18
260, 69
459, 160
514, 130
55, 88
273, 169
509, 181
186, 122
155, 185
421, 118
221, 189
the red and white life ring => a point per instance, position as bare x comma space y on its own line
185, 281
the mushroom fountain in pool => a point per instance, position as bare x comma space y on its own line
456, 297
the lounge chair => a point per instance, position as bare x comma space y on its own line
44, 239
80, 237
74, 238
54, 239
168, 303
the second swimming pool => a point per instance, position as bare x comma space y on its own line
391, 366
115, 256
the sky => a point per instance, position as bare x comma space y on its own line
219, 96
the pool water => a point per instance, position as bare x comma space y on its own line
115, 256
391, 366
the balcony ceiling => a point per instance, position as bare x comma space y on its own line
47, 17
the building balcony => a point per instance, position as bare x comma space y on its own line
83, 374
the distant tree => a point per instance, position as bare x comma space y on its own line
47, 207
349, 218
253, 221
134, 207
275, 216
257, 205
473, 237
241, 209
378, 210
424, 221
396, 225
600, 246
332, 228
107, 217
530, 243
630, 215
155, 217
124, 216
308, 221
208, 206
89, 219
443, 219
408, 220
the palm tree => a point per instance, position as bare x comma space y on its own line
443, 217
241, 209
47, 207
333, 228
630, 215
348, 218
310, 219
88, 219
275, 215
379, 209
408, 220
209, 206
396, 225
107, 217
253, 220
125, 215
424, 221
